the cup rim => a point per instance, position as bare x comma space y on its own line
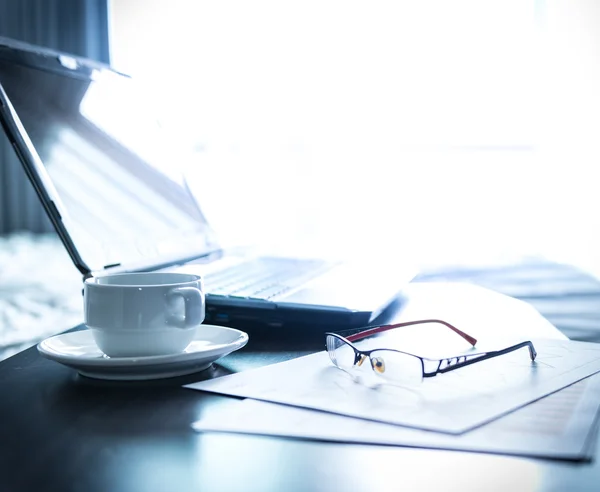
191, 278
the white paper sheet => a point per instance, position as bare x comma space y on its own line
559, 426
453, 403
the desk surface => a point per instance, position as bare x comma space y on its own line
61, 431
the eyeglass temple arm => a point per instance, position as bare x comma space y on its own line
484, 356
382, 328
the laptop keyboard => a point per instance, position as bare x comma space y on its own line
264, 278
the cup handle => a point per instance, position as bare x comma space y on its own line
194, 306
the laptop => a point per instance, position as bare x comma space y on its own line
111, 183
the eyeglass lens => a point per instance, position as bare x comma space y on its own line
388, 364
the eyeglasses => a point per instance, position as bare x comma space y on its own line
399, 366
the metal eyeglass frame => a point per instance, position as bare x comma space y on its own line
441, 365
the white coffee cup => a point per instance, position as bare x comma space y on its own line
143, 314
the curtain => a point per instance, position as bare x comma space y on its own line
80, 27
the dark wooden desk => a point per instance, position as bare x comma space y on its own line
60, 431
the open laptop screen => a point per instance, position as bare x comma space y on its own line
117, 177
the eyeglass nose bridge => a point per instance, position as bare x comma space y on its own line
377, 363
359, 358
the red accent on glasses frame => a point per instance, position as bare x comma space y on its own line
382, 328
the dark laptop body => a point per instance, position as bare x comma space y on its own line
90, 144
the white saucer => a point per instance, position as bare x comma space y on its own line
79, 351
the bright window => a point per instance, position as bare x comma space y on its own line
447, 131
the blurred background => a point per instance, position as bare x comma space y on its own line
458, 134
451, 131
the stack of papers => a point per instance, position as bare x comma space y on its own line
560, 426
504, 405
509, 404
